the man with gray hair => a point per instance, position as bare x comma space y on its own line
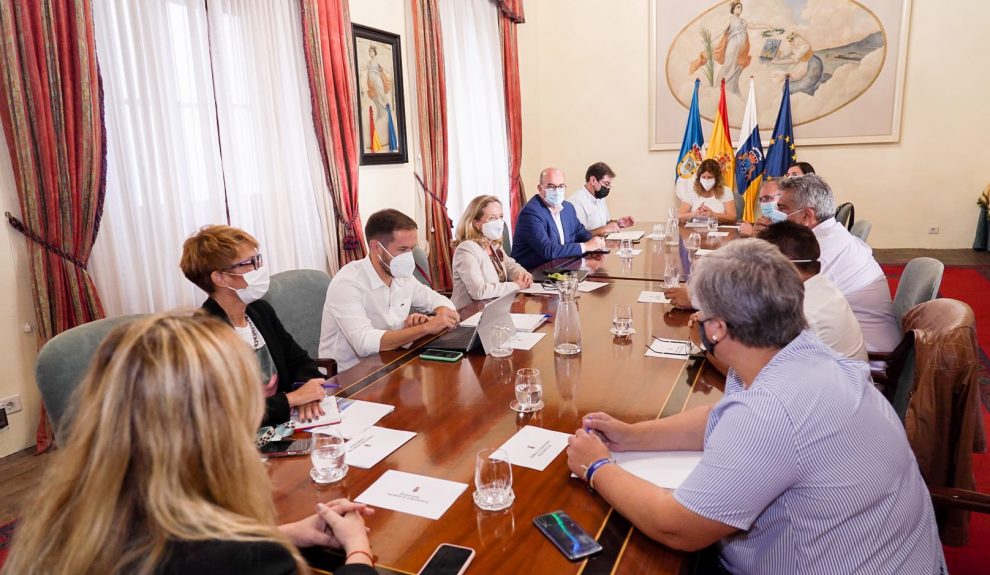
805, 467
846, 260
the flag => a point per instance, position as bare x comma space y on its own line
720, 146
376, 145
393, 141
690, 156
749, 157
781, 152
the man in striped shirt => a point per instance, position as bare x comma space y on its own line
806, 468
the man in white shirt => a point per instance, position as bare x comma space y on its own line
826, 309
370, 302
845, 259
589, 201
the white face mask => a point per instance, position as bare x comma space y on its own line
555, 197
708, 183
493, 229
257, 285
401, 266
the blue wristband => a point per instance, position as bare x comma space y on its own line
594, 467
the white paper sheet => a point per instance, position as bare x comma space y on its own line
669, 348
704, 252
538, 289
372, 445
535, 447
330, 415
357, 415
719, 234
696, 225
663, 468
522, 321
652, 297
588, 286
729, 227
633, 235
525, 340
631, 253
413, 494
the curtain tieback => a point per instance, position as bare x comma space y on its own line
422, 184
20, 227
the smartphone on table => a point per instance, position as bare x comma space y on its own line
286, 448
448, 560
441, 355
573, 541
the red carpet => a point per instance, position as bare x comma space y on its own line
971, 285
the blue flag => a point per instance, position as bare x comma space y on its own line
690, 156
393, 141
781, 153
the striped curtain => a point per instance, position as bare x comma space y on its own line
511, 14
51, 107
328, 45
432, 114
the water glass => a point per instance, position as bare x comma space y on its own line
625, 249
712, 224
329, 450
693, 242
622, 319
493, 480
529, 391
671, 213
501, 335
671, 276
659, 231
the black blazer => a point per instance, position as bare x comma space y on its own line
237, 558
292, 363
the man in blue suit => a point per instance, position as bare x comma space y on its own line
548, 227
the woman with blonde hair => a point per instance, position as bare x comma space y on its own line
707, 195
159, 473
482, 269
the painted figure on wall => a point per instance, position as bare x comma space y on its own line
377, 87
732, 50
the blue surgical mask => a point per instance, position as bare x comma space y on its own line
776, 215
555, 196
767, 208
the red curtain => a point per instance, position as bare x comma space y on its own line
511, 14
328, 45
432, 113
51, 107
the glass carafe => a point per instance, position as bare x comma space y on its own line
567, 323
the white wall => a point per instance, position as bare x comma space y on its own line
585, 75
18, 349
392, 185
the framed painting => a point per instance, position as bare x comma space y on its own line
381, 106
845, 60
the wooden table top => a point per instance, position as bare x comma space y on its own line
457, 409
649, 264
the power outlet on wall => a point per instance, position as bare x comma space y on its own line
11, 404
933, 229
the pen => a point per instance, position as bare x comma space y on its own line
325, 384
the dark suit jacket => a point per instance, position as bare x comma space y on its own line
292, 363
536, 240
237, 558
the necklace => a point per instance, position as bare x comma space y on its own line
254, 333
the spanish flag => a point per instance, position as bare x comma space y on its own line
720, 147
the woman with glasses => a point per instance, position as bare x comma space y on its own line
482, 269
805, 467
225, 263
159, 473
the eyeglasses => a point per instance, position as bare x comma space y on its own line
553, 188
771, 198
255, 261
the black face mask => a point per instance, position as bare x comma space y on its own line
602, 192
706, 344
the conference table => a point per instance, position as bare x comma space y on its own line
457, 409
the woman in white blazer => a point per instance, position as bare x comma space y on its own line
482, 269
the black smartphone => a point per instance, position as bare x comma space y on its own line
573, 541
286, 448
441, 355
448, 560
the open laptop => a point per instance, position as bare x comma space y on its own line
465, 339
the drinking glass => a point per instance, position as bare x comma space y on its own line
671, 214
659, 231
501, 336
329, 449
693, 242
622, 319
493, 480
712, 224
671, 276
529, 391
625, 249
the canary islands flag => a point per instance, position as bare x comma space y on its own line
720, 148
781, 153
690, 156
749, 158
